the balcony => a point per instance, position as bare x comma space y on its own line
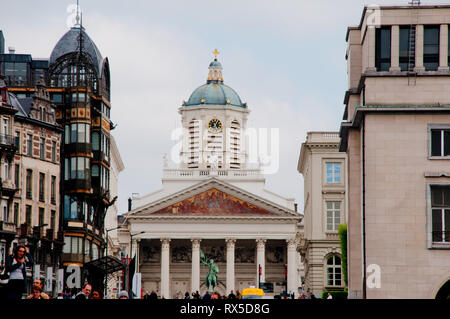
8, 141
250, 174
7, 227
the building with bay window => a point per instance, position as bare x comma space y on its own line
325, 174
395, 132
79, 82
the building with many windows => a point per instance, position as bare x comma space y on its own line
214, 204
30, 173
325, 174
395, 129
79, 85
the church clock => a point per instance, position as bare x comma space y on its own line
215, 126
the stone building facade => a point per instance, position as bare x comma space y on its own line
325, 187
395, 133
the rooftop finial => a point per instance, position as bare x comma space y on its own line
77, 18
216, 53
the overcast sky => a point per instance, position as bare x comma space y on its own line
285, 58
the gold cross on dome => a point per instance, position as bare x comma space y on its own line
215, 52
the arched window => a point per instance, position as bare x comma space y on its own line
193, 144
235, 145
334, 271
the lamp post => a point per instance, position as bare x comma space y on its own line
131, 257
106, 275
35, 240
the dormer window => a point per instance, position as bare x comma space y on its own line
4, 92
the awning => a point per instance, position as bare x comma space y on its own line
106, 265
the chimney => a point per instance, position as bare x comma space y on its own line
12, 50
295, 207
130, 201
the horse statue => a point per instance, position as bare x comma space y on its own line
213, 270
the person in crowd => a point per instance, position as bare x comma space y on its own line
16, 266
196, 295
153, 295
329, 296
187, 296
96, 295
206, 296
215, 295
231, 295
146, 295
38, 287
123, 294
238, 295
84, 293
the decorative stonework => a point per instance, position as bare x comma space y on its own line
230, 243
195, 243
165, 243
213, 202
275, 255
181, 254
245, 255
151, 254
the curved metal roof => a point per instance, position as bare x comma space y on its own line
69, 43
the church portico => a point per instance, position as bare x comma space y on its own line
173, 266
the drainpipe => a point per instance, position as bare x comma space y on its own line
364, 206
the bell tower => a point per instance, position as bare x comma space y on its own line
214, 121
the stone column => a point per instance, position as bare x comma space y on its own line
230, 264
165, 261
419, 48
395, 48
195, 276
370, 38
292, 284
136, 243
260, 259
443, 48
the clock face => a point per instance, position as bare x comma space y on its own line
215, 126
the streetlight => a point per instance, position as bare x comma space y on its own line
35, 240
106, 275
131, 255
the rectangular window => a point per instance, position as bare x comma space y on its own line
333, 171
73, 133
16, 214
53, 151
29, 145
440, 142
28, 209
66, 134
41, 216
431, 48
42, 187
73, 168
5, 127
440, 210
53, 220
29, 184
17, 141
81, 133
383, 48
42, 148
407, 54
53, 190
17, 175
333, 215
66, 169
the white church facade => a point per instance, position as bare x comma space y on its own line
214, 202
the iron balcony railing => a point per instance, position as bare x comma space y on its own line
441, 236
7, 140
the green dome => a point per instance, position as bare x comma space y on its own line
214, 92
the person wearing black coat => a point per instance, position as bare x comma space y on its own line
16, 266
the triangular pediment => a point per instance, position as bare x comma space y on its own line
212, 198
213, 202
